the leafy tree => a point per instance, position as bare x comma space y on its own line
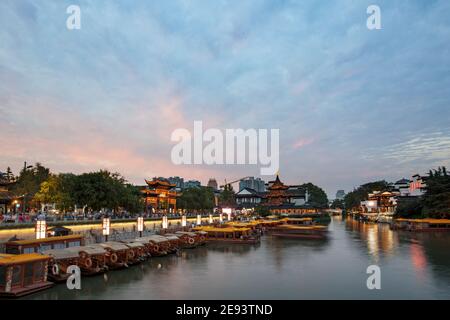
436, 200
58, 189
409, 208
227, 196
196, 199
317, 197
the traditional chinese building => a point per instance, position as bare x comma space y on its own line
287, 199
160, 196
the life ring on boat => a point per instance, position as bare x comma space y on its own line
156, 247
191, 241
202, 238
113, 257
55, 269
88, 262
131, 254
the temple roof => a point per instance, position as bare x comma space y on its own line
277, 184
160, 184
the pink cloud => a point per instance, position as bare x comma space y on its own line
302, 142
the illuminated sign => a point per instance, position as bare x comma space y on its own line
41, 229
140, 224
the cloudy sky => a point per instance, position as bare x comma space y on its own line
352, 105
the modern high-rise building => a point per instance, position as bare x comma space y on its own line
253, 183
212, 183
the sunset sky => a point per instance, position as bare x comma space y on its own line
352, 105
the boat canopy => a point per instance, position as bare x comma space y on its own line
116, 246
171, 237
45, 240
91, 250
11, 259
60, 254
134, 244
431, 221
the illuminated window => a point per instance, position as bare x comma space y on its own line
28, 250
74, 244
59, 246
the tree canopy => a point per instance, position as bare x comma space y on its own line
196, 199
317, 196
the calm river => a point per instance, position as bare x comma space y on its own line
412, 266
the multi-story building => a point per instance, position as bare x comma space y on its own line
253, 183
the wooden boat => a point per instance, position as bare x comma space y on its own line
39, 245
422, 225
155, 246
298, 231
118, 255
140, 252
175, 241
23, 274
190, 240
92, 259
230, 235
298, 221
60, 260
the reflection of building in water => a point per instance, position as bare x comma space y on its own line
418, 259
379, 238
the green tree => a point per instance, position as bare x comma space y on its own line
317, 196
227, 196
436, 200
196, 199
58, 189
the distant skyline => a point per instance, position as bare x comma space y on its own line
352, 105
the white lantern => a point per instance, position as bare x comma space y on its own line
106, 226
211, 218
199, 219
221, 217
140, 224
183, 221
165, 222
41, 229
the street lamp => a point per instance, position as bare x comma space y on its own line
106, 228
165, 222
140, 225
41, 229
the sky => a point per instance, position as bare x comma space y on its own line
353, 105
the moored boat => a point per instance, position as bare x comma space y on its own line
230, 235
40, 245
139, 250
155, 246
299, 231
92, 259
23, 274
191, 240
60, 260
422, 225
118, 255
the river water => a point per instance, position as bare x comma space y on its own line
413, 266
